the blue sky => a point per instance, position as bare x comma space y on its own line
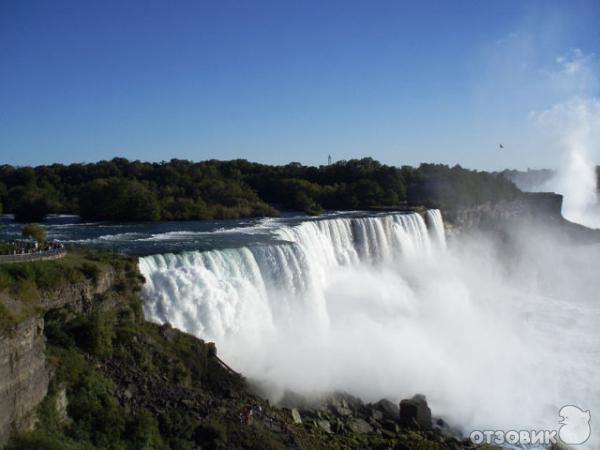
403, 82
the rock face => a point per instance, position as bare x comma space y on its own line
415, 412
530, 207
538, 205
23, 375
79, 297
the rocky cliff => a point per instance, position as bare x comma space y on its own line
530, 207
24, 369
23, 375
545, 205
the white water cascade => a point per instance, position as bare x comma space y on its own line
216, 294
378, 307
434, 218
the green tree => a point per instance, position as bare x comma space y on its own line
118, 199
32, 204
34, 231
122, 190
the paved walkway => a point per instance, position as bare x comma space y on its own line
38, 256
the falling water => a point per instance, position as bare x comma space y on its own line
377, 306
212, 294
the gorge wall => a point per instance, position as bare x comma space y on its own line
529, 207
542, 205
24, 372
23, 375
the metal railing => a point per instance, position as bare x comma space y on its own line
34, 256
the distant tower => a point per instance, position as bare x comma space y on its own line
329, 160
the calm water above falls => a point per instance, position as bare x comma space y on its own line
165, 237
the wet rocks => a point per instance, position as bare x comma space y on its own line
360, 426
389, 409
168, 332
296, 416
415, 412
325, 425
344, 421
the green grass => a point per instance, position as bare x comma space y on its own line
6, 248
24, 285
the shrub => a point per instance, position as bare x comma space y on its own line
143, 434
38, 441
6, 248
213, 435
94, 334
6, 318
34, 231
90, 271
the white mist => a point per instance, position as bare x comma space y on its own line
574, 127
374, 307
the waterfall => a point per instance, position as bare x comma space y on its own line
436, 224
247, 291
376, 306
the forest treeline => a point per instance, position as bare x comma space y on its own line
122, 190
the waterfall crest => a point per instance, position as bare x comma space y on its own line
214, 294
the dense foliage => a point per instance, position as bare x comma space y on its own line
34, 231
123, 190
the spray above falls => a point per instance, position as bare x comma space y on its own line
574, 127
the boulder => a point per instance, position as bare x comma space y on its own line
325, 425
415, 412
296, 416
167, 332
376, 414
391, 425
389, 409
341, 410
360, 426
346, 401
61, 403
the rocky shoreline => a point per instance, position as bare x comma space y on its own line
227, 404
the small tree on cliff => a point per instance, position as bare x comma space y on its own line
34, 231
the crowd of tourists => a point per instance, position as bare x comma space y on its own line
22, 247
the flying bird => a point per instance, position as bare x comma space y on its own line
501, 146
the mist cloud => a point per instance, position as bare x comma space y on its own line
574, 128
